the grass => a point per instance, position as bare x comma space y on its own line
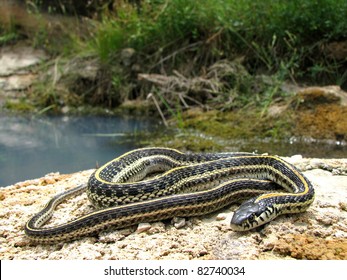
284, 39
8, 37
279, 37
270, 24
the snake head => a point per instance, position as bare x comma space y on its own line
249, 215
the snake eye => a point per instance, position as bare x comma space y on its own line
251, 217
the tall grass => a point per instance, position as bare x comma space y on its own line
277, 37
162, 21
267, 31
285, 39
158, 24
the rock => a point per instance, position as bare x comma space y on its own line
143, 255
157, 227
17, 82
312, 96
143, 227
221, 217
17, 71
315, 163
316, 113
328, 219
312, 248
320, 113
65, 110
17, 59
295, 159
114, 236
127, 56
343, 206
179, 222
319, 233
276, 110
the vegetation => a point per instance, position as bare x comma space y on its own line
222, 54
272, 34
285, 39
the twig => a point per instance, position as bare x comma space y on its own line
176, 52
150, 95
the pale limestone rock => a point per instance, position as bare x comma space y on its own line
319, 233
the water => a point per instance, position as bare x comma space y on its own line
31, 147
309, 148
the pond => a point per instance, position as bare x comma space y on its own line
31, 147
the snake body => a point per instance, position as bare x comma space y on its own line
153, 184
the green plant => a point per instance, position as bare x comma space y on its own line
8, 37
282, 39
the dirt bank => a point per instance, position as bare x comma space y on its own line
320, 233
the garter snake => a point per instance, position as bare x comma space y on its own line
153, 184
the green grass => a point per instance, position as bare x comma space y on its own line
281, 38
272, 34
164, 22
8, 37
161, 25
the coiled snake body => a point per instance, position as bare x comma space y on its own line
153, 184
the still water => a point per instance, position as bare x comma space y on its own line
31, 147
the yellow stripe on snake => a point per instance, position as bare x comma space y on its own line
152, 184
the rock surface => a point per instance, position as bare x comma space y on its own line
16, 71
320, 113
319, 233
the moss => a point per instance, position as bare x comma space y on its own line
136, 108
19, 106
327, 121
311, 97
191, 142
246, 123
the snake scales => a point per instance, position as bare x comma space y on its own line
159, 183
